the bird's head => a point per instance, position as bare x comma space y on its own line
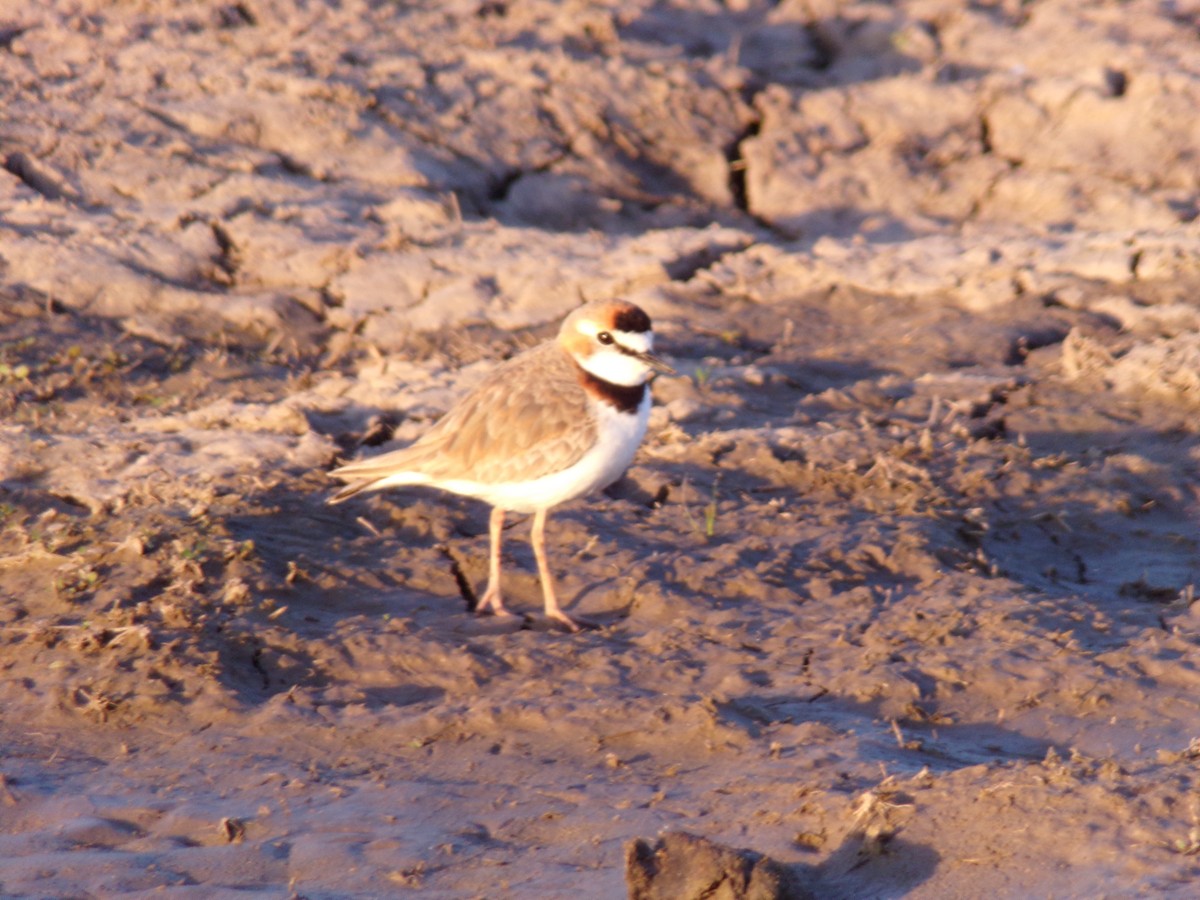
612, 340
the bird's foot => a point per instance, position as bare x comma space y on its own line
491, 603
562, 619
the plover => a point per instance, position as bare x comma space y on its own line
554, 423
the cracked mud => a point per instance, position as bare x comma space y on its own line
899, 593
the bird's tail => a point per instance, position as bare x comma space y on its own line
373, 473
346, 491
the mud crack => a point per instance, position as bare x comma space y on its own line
460, 577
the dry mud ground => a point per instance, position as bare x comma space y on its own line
899, 591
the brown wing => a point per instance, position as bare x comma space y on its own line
528, 418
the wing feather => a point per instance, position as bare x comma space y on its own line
528, 418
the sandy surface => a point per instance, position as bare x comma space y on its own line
899, 591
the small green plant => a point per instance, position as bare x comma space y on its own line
710, 513
709, 527
703, 373
1190, 845
195, 551
18, 372
78, 582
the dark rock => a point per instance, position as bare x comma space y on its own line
682, 866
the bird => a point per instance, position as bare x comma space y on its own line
554, 423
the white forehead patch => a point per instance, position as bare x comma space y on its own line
588, 327
639, 342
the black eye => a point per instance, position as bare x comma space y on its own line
604, 337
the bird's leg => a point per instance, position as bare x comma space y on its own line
492, 600
538, 539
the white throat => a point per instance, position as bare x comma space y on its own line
615, 367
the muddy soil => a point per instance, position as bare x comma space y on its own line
899, 592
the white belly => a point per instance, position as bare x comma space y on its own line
618, 437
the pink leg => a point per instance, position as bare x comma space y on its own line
538, 539
492, 600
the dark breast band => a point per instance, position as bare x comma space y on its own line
624, 398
